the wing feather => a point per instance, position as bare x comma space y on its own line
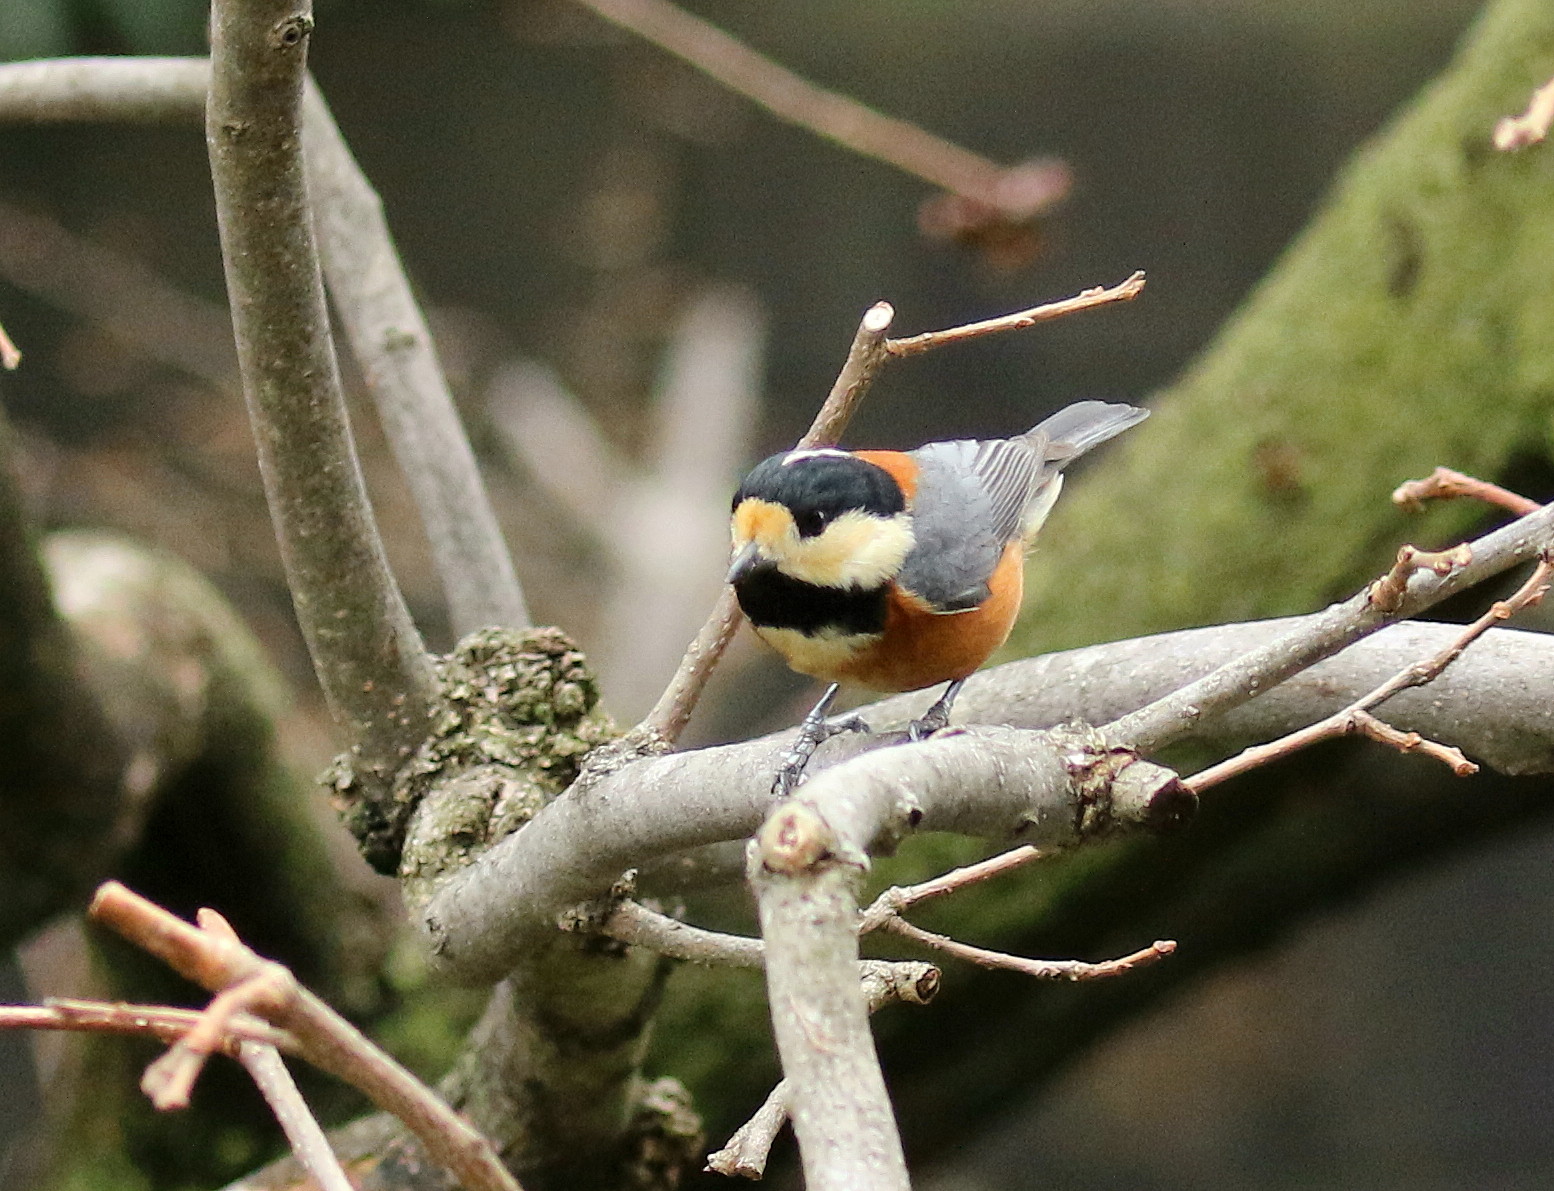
976, 496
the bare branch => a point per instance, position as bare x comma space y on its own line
826, 113
991, 782
630, 922
1124, 291
1518, 132
302, 1130
1494, 703
211, 957
120, 89
1356, 716
368, 655
1040, 969
841, 1111
1444, 483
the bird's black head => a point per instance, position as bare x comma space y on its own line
817, 487
823, 517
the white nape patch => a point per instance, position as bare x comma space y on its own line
823, 655
815, 453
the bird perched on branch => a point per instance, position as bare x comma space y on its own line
899, 570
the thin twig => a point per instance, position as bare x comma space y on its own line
264, 1065
1444, 483
156, 1021
375, 671
1324, 634
1357, 717
630, 922
826, 113
1517, 132
211, 957
674, 707
747, 1150
10, 354
900, 897
1040, 969
1124, 291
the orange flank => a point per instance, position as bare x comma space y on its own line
921, 647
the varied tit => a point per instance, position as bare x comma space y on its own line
899, 570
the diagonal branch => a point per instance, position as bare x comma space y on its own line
368, 655
674, 707
391, 342
828, 114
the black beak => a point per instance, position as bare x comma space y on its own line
748, 558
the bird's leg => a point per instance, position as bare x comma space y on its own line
813, 732
937, 716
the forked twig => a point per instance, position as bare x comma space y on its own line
1357, 717
884, 913
901, 897
210, 955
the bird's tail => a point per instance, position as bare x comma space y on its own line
1064, 437
1077, 428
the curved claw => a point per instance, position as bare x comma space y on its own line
936, 717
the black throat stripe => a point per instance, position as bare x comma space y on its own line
773, 600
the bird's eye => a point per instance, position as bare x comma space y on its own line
810, 522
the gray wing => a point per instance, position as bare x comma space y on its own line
974, 497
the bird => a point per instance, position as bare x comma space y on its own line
898, 570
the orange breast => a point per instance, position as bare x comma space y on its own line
921, 648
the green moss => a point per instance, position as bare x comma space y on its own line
1405, 328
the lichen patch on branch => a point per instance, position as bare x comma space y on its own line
517, 714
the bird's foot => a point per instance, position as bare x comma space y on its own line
937, 717
813, 732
